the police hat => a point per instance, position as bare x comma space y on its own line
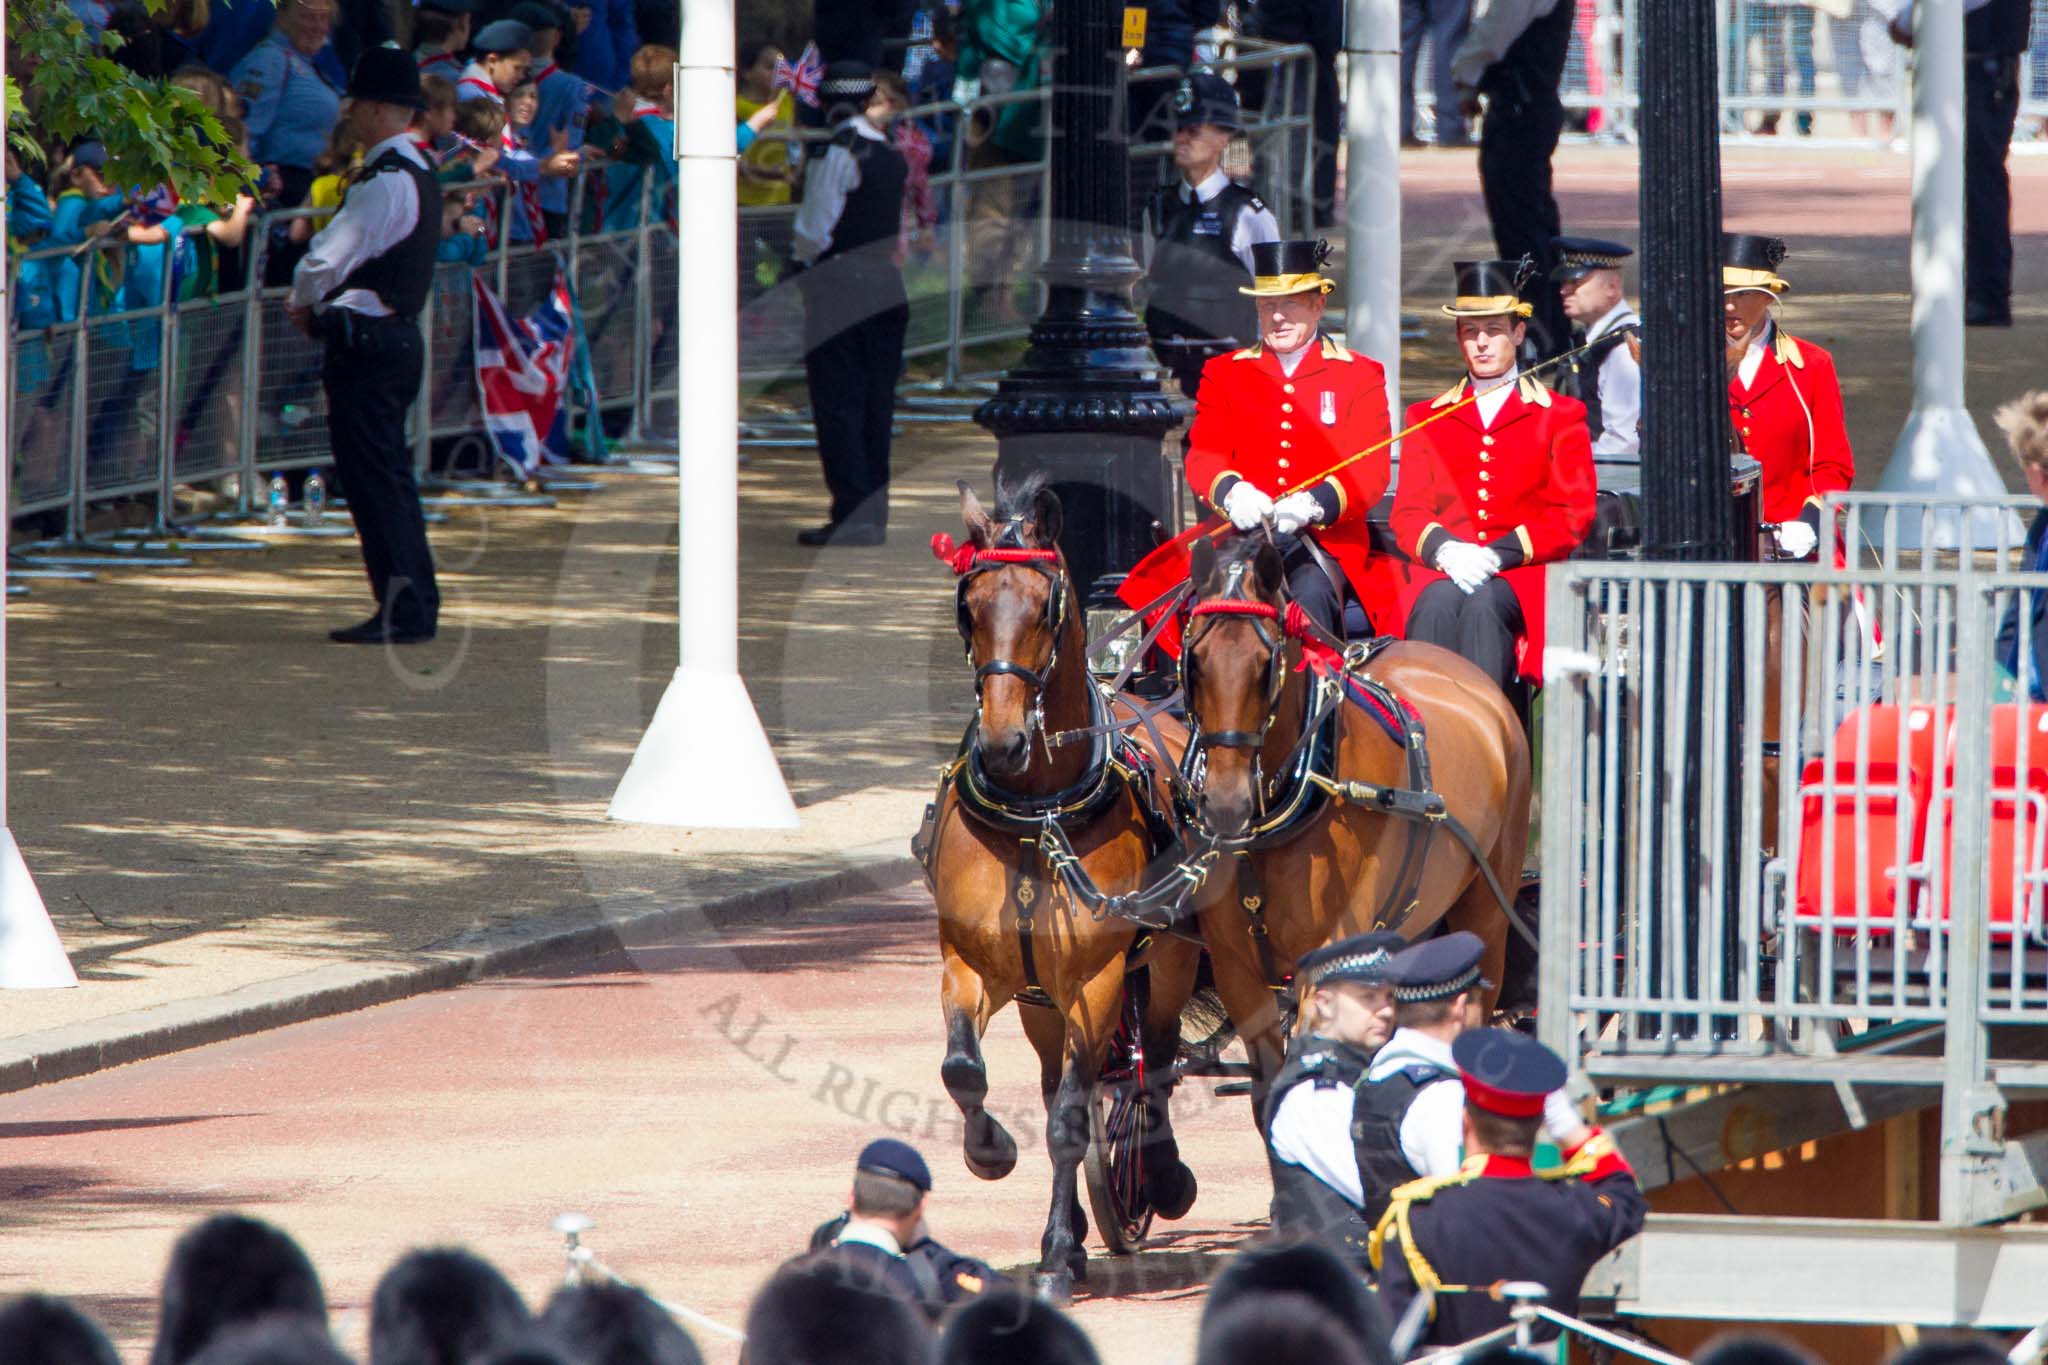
1437, 968
1361, 957
536, 15
506, 35
1751, 262
848, 81
386, 76
1584, 255
1280, 268
1490, 289
1205, 97
888, 1156
1506, 1072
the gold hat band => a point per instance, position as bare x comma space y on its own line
1486, 306
1742, 277
1273, 285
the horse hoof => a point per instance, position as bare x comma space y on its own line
993, 1159
965, 1079
1172, 1190
1056, 1287
1077, 1265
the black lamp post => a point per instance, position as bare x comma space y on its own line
1084, 407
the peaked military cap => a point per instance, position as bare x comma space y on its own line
1437, 968
890, 1156
1490, 289
1581, 256
1363, 958
1506, 1072
1280, 268
1205, 97
1751, 262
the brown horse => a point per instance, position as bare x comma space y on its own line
1349, 868
1010, 928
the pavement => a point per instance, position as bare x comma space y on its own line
235, 823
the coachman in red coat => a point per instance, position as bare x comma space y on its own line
1784, 398
1494, 488
1270, 420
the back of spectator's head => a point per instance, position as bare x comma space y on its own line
437, 93
50, 1331
438, 28
652, 70
1008, 1328
2025, 423
442, 1306
815, 1313
1951, 1351
1305, 1270
1275, 1329
230, 1270
615, 1324
1753, 1350
212, 88
282, 1340
83, 168
480, 121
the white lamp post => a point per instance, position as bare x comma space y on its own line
1372, 188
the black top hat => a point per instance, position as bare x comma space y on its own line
1288, 268
1489, 289
1205, 97
1749, 261
1581, 256
386, 76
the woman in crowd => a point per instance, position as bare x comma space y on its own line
292, 96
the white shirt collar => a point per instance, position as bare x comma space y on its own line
1493, 393
1753, 355
405, 147
859, 123
1212, 185
1291, 361
1485, 386
1611, 319
868, 1234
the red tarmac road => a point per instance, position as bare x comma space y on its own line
701, 1097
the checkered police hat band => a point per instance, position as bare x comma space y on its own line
1356, 962
848, 85
1440, 990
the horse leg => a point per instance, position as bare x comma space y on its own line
1090, 1021
1477, 909
1169, 1184
1048, 1034
1241, 984
986, 1146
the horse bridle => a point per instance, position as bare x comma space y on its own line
1008, 550
1266, 620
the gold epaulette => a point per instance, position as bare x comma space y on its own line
1250, 352
1584, 1160
1531, 390
1332, 351
1788, 350
1450, 395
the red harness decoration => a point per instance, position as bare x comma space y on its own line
1236, 606
961, 558
1315, 654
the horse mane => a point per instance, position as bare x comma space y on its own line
1019, 499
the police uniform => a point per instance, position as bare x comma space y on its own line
1511, 471
372, 267
1514, 55
1307, 1118
1202, 238
1784, 398
1498, 1218
1407, 1118
1279, 429
935, 1276
1604, 375
855, 310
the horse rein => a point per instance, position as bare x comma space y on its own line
1234, 600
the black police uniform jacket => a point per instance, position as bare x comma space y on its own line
1376, 1116
1499, 1219
1194, 275
933, 1274
1302, 1204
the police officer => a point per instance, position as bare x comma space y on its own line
1202, 229
369, 271
1605, 375
1497, 1218
1497, 485
1514, 56
1783, 396
1995, 38
855, 310
1307, 1116
1275, 415
882, 1231
1407, 1121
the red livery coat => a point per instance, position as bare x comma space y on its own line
1790, 421
1524, 487
1254, 421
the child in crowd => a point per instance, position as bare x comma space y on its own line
563, 113
85, 208
465, 235
479, 128
522, 103
28, 224
331, 168
648, 148
433, 128
920, 209
766, 173
439, 38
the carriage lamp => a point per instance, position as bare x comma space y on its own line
1110, 659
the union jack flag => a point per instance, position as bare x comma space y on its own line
523, 370
151, 207
802, 79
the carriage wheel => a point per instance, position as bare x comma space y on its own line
1118, 1130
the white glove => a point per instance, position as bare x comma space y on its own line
1246, 506
1467, 565
1562, 1120
1295, 511
1796, 539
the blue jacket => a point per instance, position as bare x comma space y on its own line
2036, 607
565, 99
233, 28
604, 51
291, 104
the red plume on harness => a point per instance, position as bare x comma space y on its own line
1315, 651
960, 558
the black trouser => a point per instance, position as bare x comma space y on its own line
1991, 101
372, 374
1516, 140
1309, 584
853, 362
1328, 115
1445, 22
1483, 627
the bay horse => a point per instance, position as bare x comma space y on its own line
1314, 861
1011, 927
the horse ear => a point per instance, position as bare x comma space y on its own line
1266, 563
979, 528
1047, 517
1201, 561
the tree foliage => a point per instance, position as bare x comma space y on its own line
154, 132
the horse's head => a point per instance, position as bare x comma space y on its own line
1013, 613
1233, 664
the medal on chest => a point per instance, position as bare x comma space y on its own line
1329, 409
